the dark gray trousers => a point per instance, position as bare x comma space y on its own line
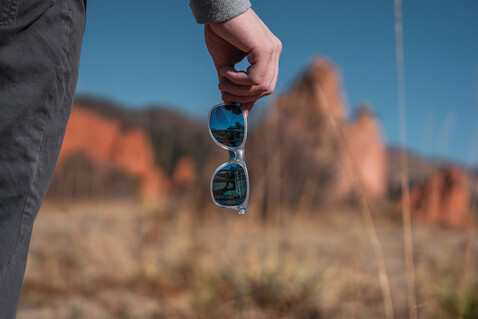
40, 42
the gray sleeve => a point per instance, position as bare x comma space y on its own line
209, 11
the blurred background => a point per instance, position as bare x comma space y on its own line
358, 209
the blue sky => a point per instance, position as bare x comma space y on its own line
154, 53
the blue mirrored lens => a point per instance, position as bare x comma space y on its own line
227, 125
229, 185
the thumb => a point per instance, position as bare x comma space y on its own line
236, 77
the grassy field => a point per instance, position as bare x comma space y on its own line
130, 260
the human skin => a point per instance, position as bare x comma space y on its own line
233, 40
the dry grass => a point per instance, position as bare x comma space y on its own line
136, 261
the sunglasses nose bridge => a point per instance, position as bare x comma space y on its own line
236, 155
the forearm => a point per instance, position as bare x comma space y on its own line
210, 11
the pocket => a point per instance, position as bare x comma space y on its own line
8, 11
25, 13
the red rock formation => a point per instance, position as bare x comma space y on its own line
363, 139
104, 142
303, 142
184, 172
443, 199
322, 74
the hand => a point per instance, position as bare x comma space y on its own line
231, 41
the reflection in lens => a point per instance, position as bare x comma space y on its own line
227, 125
229, 185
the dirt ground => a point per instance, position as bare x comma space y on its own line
129, 260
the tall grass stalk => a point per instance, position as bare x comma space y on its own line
471, 225
406, 213
467, 267
364, 208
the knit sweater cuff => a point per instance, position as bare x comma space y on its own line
210, 11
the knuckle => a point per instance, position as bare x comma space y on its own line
256, 79
268, 47
279, 45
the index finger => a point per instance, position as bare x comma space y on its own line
259, 61
255, 73
236, 77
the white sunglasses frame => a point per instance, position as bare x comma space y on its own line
237, 158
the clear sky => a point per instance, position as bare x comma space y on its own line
152, 52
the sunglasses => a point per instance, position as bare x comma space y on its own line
230, 182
